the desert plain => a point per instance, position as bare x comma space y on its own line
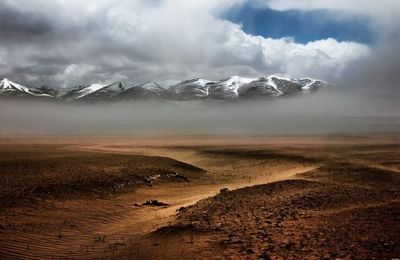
200, 197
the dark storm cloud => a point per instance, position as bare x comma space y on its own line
19, 24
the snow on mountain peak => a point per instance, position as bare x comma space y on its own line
273, 84
279, 77
231, 85
90, 89
308, 85
7, 84
197, 88
202, 82
151, 85
237, 80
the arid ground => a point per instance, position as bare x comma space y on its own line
200, 197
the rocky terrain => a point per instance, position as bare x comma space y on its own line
297, 218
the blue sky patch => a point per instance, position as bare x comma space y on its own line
302, 26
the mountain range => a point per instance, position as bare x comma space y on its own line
231, 88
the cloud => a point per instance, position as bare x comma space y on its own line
64, 43
384, 14
377, 71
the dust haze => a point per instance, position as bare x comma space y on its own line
325, 112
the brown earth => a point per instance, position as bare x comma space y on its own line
288, 197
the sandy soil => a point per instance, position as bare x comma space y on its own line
337, 182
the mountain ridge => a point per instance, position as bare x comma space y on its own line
231, 88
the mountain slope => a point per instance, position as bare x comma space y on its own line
274, 86
10, 88
264, 86
310, 84
94, 92
192, 89
148, 90
228, 88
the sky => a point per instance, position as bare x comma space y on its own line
302, 26
62, 43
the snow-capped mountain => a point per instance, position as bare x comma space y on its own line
274, 86
94, 92
238, 87
192, 89
10, 88
264, 86
228, 88
234, 87
310, 84
148, 90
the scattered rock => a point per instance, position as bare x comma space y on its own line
155, 203
233, 240
246, 214
250, 251
224, 191
264, 256
327, 257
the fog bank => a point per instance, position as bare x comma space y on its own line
327, 112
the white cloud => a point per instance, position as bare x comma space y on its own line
146, 40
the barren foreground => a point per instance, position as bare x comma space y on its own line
199, 197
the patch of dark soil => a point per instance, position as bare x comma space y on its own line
32, 172
261, 155
355, 174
